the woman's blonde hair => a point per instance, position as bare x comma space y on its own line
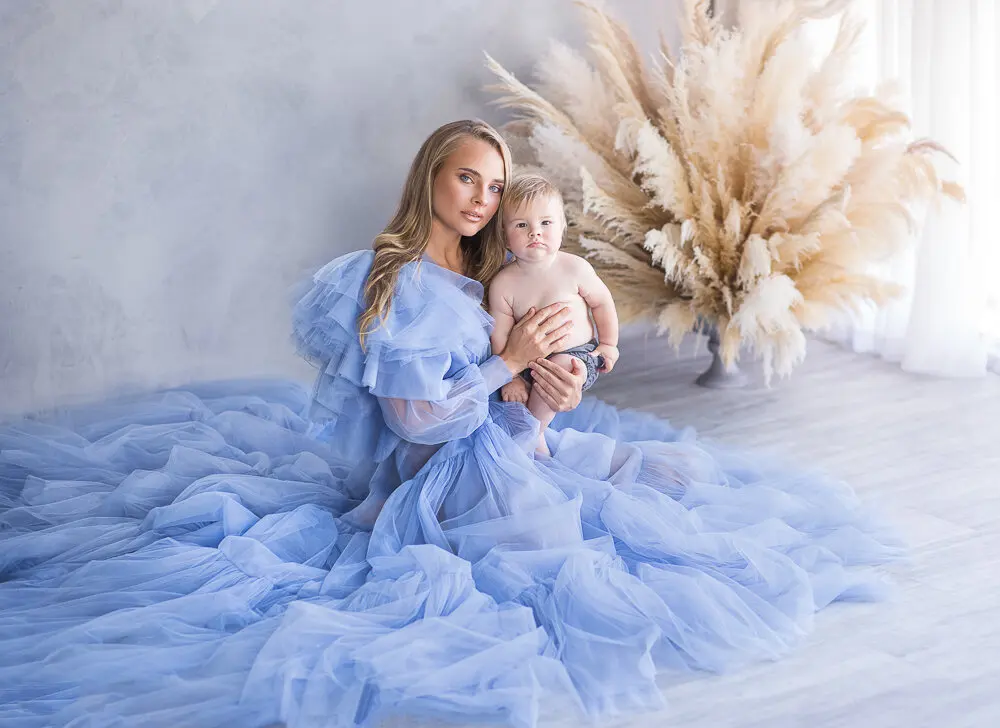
405, 238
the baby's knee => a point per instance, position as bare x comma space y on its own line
563, 360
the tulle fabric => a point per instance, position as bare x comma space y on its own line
423, 378
211, 556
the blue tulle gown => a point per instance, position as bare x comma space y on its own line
246, 553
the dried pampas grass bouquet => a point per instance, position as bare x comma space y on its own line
742, 184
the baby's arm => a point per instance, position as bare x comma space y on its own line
502, 311
598, 298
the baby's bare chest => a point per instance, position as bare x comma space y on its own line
534, 294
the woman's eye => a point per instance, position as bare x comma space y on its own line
496, 189
465, 178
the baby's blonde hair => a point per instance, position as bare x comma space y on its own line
525, 189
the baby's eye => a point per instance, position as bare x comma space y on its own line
546, 222
521, 225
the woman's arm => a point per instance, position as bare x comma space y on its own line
421, 404
461, 408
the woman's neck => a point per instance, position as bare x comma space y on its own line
444, 248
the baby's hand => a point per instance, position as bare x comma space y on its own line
516, 390
610, 354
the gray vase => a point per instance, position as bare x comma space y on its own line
718, 375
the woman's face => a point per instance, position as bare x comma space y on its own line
467, 187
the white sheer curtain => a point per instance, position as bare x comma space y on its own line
942, 52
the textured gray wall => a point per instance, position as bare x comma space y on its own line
169, 168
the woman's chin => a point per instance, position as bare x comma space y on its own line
468, 229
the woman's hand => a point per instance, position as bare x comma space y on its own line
561, 389
536, 335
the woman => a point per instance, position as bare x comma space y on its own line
419, 373
210, 557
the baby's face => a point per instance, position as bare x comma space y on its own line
534, 231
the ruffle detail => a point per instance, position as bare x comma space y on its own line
436, 327
431, 320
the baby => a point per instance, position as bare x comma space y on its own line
533, 226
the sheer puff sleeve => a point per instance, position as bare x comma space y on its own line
428, 365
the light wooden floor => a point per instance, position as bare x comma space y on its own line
928, 452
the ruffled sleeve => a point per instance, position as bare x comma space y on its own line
459, 406
428, 367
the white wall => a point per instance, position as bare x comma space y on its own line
169, 168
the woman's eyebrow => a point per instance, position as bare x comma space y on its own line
470, 170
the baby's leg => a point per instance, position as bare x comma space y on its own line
540, 409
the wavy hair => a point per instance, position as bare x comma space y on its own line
406, 236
